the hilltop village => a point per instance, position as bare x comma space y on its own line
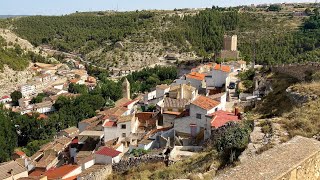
215, 93
184, 114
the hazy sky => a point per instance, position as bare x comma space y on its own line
59, 7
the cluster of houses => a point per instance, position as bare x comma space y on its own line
183, 113
53, 81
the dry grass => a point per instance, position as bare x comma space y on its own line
307, 88
187, 168
304, 120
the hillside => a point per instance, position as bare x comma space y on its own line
141, 38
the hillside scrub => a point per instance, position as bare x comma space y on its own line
304, 120
275, 39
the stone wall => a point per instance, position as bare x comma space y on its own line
126, 164
296, 159
309, 169
298, 71
96, 172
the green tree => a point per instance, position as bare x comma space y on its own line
15, 96
231, 140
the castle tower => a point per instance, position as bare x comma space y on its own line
230, 43
126, 89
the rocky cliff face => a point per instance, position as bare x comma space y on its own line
298, 97
10, 79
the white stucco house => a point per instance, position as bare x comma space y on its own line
120, 127
219, 76
196, 80
27, 90
198, 121
5, 99
107, 155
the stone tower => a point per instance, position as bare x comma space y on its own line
126, 88
230, 43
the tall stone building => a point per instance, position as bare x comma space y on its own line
126, 88
230, 49
230, 43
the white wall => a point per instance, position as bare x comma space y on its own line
101, 159
146, 146
150, 95
87, 164
195, 83
45, 109
116, 159
110, 133
218, 78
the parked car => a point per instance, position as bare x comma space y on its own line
232, 85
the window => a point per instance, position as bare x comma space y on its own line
123, 126
198, 116
123, 134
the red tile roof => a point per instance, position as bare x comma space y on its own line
58, 173
143, 116
42, 116
205, 102
106, 151
4, 97
222, 117
109, 124
128, 103
75, 141
20, 153
74, 80
195, 75
224, 68
36, 173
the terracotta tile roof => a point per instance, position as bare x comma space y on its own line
224, 68
195, 75
123, 119
20, 153
74, 80
58, 173
71, 130
75, 141
117, 111
143, 116
205, 102
147, 118
109, 124
129, 102
222, 117
4, 97
106, 151
42, 116
37, 173
121, 102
